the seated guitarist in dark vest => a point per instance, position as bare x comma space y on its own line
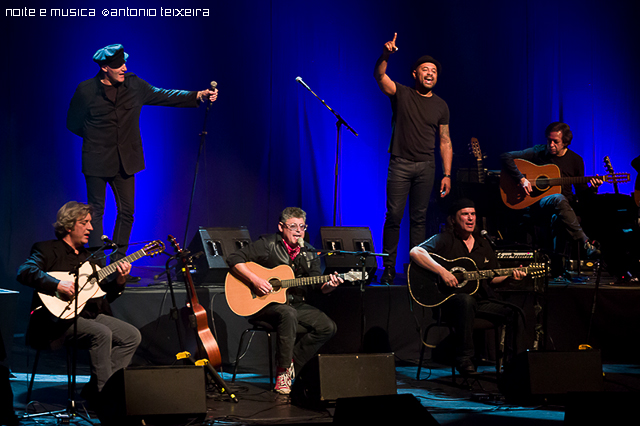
111, 342
557, 206
295, 316
460, 239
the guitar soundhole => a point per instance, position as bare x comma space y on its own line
459, 274
542, 183
276, 284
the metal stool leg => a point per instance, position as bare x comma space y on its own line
235, 368
33, 375
270, 345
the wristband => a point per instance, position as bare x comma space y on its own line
449, 176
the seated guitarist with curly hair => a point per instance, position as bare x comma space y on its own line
556, 207
461, 240
287, 247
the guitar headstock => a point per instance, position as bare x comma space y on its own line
174, 243
355, 276
474, 147
607, 165
153, 248
617, 178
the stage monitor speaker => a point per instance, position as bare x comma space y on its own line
402, 409
216, 244
154, 394
347, 238
328, 377
535, 376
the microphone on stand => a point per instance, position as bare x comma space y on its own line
488, 237
299, 80
301, 244
108, 242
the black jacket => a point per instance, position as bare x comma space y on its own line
57, 255
110, 131
269, 251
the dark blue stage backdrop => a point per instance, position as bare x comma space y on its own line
509, 68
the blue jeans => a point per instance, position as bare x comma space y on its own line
563, 219
410, 179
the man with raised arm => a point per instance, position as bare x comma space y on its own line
419, 117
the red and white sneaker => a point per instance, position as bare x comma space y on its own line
283, 381
292, 371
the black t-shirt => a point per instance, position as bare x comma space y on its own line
450, 246
415, 121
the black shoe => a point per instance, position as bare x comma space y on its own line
593, 249
388, 275
132, 279
466, 367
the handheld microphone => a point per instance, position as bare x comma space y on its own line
108, 242
487, 237
213, 84
299, 80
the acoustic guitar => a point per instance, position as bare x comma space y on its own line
89, 282
545, 180
244, 301
428, 289
206, 342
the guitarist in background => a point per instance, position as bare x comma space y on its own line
556, 206
284, 248
111, 342
461, 239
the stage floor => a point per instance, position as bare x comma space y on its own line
445, 402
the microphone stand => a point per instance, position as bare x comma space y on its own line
203, 136
339, 123
363, 255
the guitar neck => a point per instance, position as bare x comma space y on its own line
299, 282
572, 180
491, 273
111, 268
480, 170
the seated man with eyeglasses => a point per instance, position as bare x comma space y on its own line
287, 247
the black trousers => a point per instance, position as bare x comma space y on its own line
461, 311
410, 179
123, 187
314, 325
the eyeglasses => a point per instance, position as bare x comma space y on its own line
294, 226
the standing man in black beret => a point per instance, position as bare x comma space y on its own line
418, 115
105, 112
